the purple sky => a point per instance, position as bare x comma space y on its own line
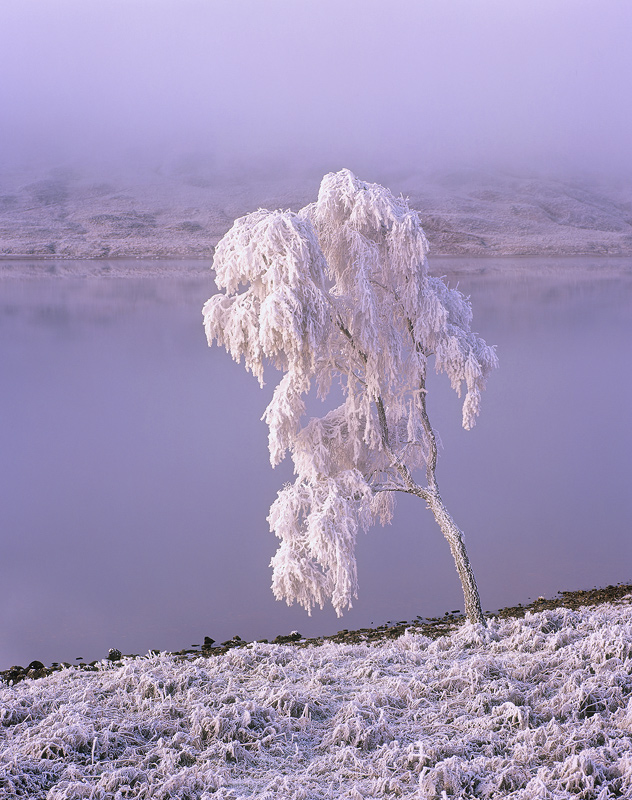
423, 84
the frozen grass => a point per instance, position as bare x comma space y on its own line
533, 708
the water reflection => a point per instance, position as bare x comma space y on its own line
136, 480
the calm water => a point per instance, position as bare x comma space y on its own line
135, 476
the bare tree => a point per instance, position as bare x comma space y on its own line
340, 291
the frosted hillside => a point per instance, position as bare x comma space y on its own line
533, 708
183, 210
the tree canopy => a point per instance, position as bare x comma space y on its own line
340, 293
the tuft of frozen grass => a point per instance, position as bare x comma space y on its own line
524, 709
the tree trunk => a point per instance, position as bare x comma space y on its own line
432, 497
455, 540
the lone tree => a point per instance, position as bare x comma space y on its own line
340, 291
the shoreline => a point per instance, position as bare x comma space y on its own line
170, 257
430, 627
562, 266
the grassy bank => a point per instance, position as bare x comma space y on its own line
537, 705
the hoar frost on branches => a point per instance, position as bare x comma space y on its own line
341, 290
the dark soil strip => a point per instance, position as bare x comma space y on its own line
433, 627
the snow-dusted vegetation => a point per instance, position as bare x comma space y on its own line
534, 708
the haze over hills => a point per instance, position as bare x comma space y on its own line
183, 210
177, 99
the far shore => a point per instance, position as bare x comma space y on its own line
69, 213
561, 266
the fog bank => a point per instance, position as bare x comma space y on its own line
299, 86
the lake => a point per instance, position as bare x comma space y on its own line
136, 482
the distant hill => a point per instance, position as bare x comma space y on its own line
65, 213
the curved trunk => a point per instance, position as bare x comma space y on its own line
432, 497
454, 537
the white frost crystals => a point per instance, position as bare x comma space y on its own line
528, 709
340, 292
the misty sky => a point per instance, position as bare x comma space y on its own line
529, 84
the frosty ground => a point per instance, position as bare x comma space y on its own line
539, 707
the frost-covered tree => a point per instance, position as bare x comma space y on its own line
340, 292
